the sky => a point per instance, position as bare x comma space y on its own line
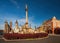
38, 11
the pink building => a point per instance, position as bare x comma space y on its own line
51, 24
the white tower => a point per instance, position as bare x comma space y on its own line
26, 14
16, 30
26, 9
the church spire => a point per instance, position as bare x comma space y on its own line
11, 25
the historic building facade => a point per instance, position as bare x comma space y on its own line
51, 24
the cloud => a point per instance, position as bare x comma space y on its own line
1, 26
15, 3
30, 21
21, 21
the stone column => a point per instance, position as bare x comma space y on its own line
26, 14
26, 25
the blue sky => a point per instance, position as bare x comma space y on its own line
38, 11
